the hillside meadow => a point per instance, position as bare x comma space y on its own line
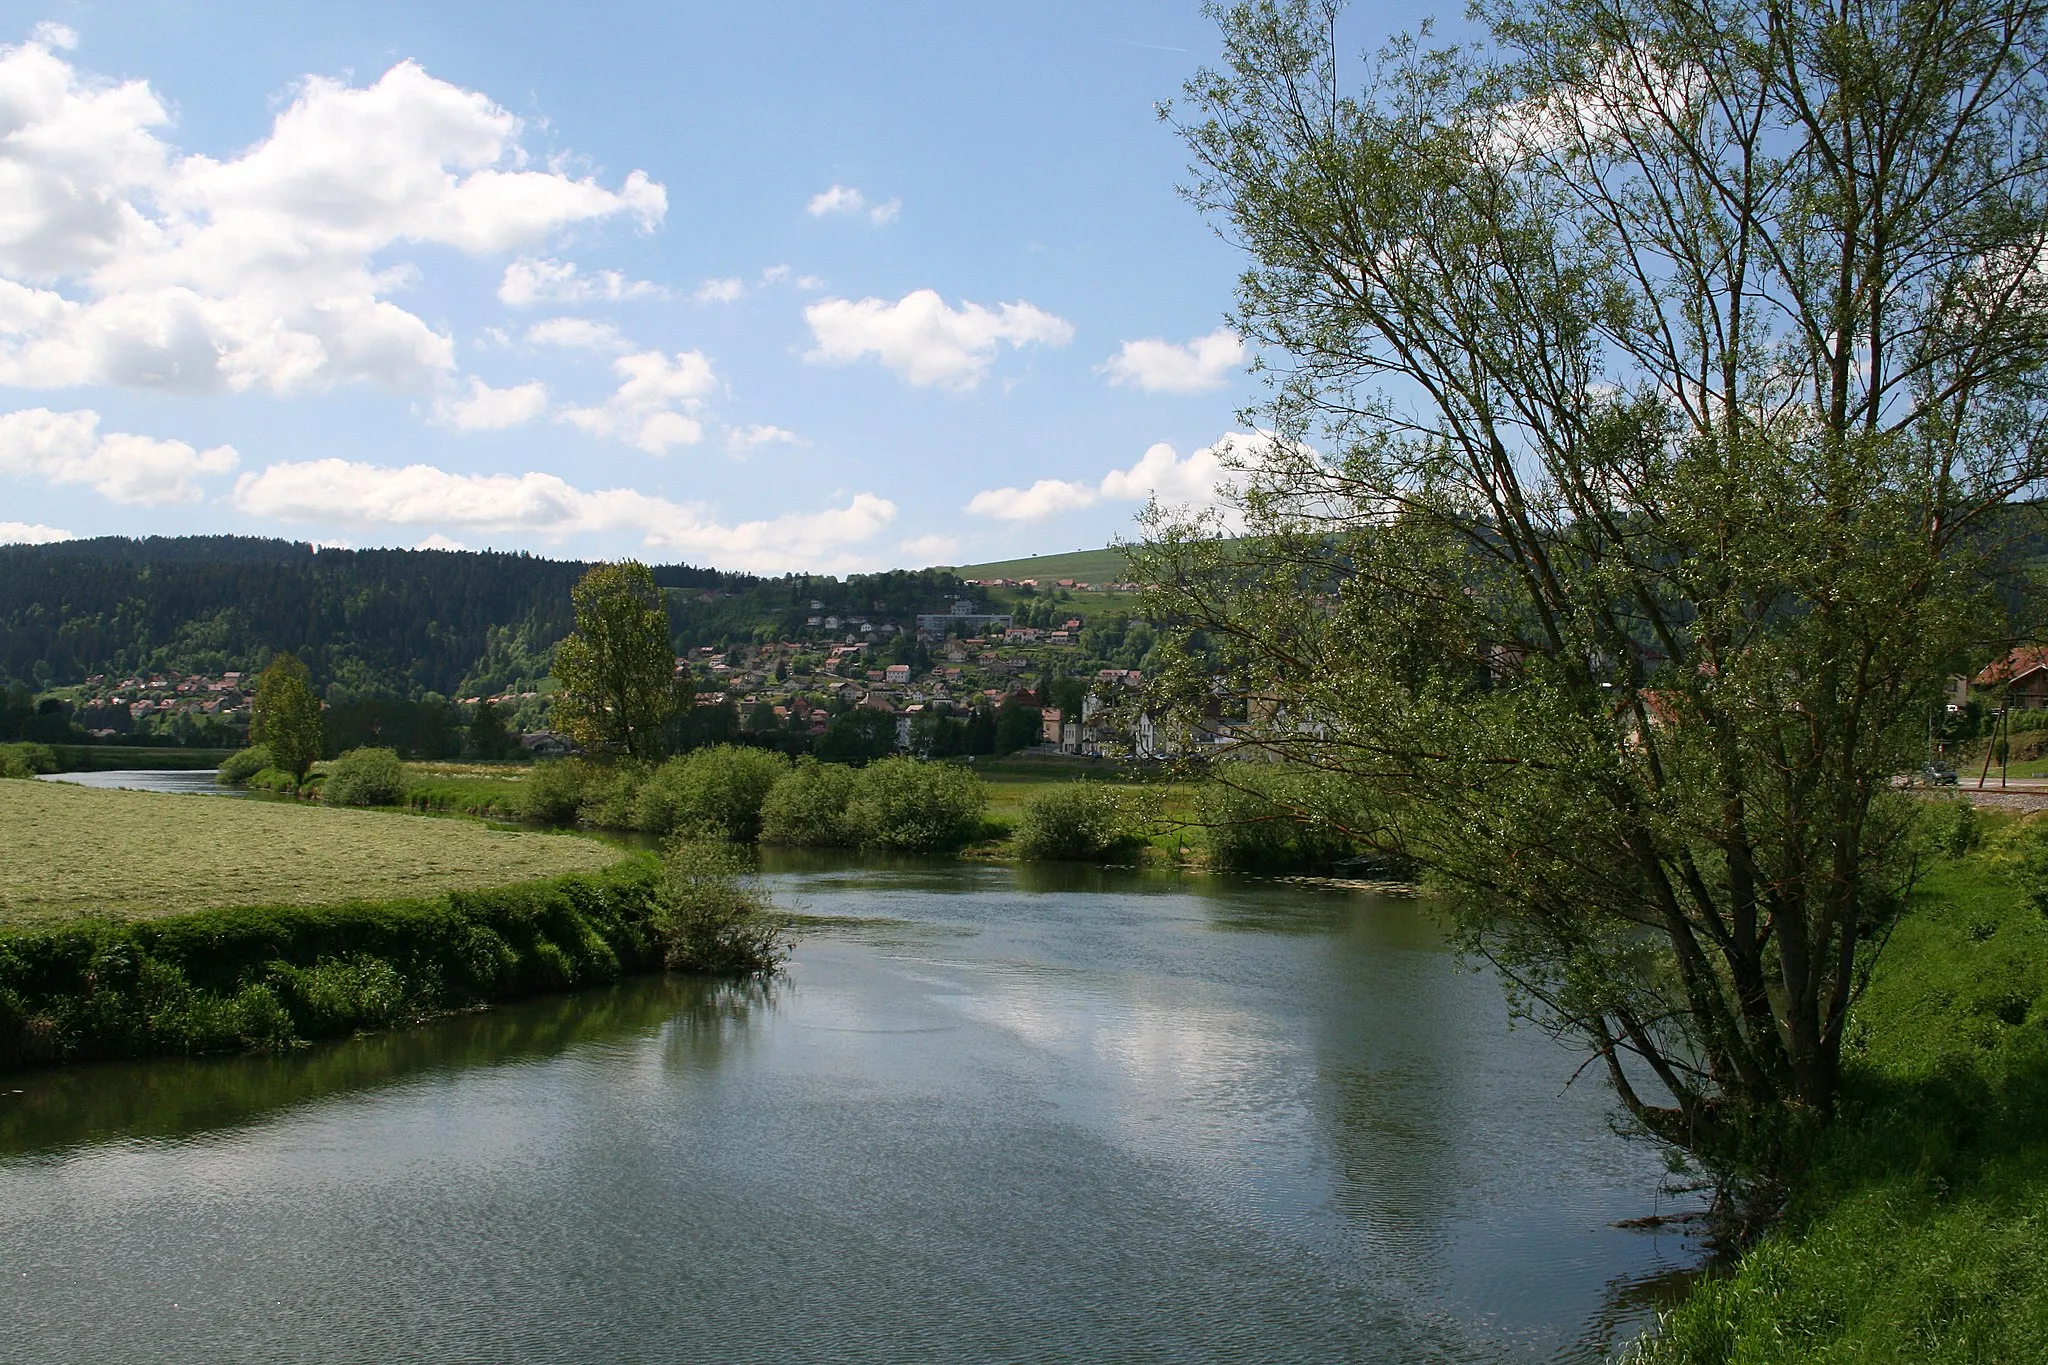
68, 851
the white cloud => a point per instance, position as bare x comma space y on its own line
757, 434
66, 448
365, 495
846, 200
1197, 480
724, 289
932, 549
437, 541
123, 261
923, 340
530, 280
1160, 366
31, 533
654, 405
577, 333
489, 409
1047, 497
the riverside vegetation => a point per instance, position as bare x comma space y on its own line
139, 924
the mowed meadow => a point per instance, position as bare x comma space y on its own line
70, 851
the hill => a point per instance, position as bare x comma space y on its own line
1092, 566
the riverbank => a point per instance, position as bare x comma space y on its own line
1922, 1232
137, 924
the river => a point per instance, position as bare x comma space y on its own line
987, 1115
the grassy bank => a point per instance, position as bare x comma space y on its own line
101, 758
1922, 1234
267, 976
77, 852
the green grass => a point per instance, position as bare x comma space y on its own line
1921, 1233
71, 851
1089, 566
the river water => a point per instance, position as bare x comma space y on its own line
177, 781
987, 1115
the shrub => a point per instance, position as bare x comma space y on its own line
714, 793
554, 792
611, 794
916, 807
808, 805
365, 777
711, 913
340, 995
1250, 813
244, 764
1083, 822
274, 780
1950, 828
26, 760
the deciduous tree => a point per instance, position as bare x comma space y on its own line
285, 715
615, 673
1651, 389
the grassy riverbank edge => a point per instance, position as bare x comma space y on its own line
271, 976
1921, 1232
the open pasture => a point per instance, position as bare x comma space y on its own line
68, 851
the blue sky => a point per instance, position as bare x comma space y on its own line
803, 286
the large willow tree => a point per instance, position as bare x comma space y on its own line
1654, 387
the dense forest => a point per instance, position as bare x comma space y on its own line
403, 624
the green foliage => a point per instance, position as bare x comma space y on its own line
913, 807
26, 760
1017, 726
711, 913
554, 793
487, 736
611, 794
1084, 822
244, 764
807, 807
714, 793
1950, 829
859, 736
1921, 1228
225, 979
614, 674
1269, 817
365, 777
275, 780
1606, 538
285, 716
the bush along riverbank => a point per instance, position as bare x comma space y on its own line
271, 976
1258, 818
1920, 1230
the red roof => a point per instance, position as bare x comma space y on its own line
2014, 666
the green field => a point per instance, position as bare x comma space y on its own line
68, 851
100, 758
1090, 566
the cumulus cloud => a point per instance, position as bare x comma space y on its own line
758, 434
653, 405
437, 541
372, 496
530, 280
489, 409
67, 448
31, 533
1199, 479
1160, 366
845, 200
124, 261
724, 289
786, 274
923, 340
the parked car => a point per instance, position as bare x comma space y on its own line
1937, 774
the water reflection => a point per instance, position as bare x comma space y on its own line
1061, 1113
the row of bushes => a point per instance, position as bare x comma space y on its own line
744, 795
26, 760
221, 980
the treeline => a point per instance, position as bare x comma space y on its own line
399, 623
